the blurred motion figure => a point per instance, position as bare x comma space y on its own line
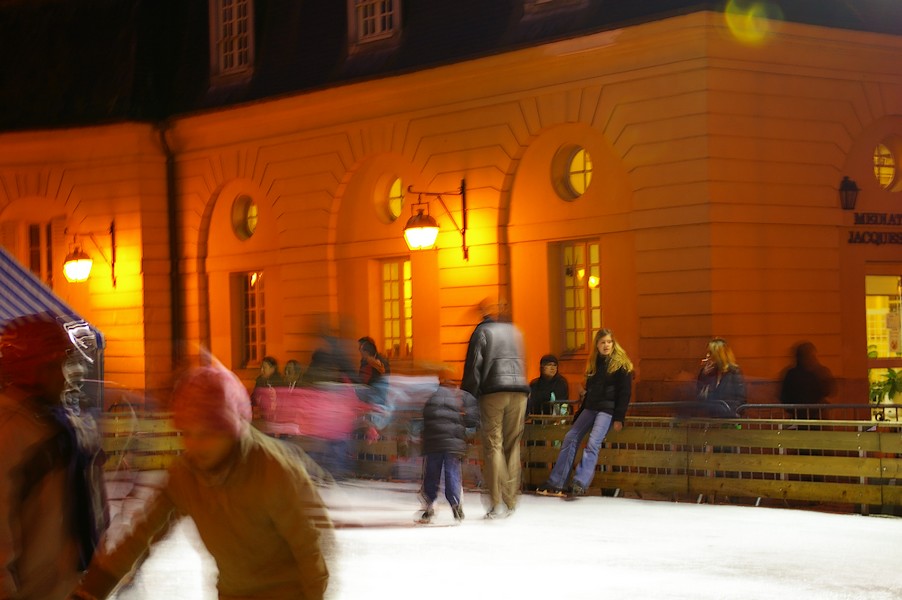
495, 374
450, 416
52, 504
806, 382
252, 501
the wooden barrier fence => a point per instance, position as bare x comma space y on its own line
854, 463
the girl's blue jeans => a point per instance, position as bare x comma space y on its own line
596, 424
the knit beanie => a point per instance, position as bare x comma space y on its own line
212, 396
547, 359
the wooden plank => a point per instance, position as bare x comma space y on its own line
158, 444
891, 468
808, 440
777, 464
641, 458
545, 432
891, 495
786, 490
890, 442
642, 482
128, 425
535, 476
649, 436
540, 454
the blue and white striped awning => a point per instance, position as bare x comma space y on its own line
22, 293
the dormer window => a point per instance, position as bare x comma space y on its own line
373, 20
231, 40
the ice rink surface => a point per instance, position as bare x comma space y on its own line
594, 547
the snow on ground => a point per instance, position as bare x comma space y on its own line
594, 547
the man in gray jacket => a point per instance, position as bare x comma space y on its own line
495, 373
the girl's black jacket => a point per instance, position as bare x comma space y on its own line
608, 392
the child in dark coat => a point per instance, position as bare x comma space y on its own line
447, 416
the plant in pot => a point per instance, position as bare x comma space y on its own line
888, 388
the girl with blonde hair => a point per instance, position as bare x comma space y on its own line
609, 379
720, 384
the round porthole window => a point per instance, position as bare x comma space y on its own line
884, 166
395, 199
244, 217
572, 172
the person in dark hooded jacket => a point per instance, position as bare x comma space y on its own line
549, 386
450, 417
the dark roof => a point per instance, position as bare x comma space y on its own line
92, 61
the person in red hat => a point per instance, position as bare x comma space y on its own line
52, 506
252, 501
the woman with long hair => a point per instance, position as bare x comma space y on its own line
609, 379
720, 386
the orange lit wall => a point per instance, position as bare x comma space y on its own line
713, 198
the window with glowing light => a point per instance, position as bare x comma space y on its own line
396, 199
244, 217
231, 39
580, 172
397, 308
884, 166
883, 305
253, 319
571, 171
581, 288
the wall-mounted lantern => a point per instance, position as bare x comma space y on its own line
78, 264
421, 229
848, 193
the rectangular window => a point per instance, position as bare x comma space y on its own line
253, 322
231, 27
884, 326
883, 305
397, 309
376, 19
39, 251
581, 294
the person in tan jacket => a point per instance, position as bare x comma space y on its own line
255, 507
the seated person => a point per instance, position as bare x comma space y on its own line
291, 378
547, 387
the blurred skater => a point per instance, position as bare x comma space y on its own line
806, 382
254, 505
495, 374
447, 416
52, 504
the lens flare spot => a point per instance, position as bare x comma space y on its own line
752, 23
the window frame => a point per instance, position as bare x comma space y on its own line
591, 295
386, 37
887, 161
220, 72
251, 336
397, 342
562, 171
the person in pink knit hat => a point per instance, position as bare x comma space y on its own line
252, 501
